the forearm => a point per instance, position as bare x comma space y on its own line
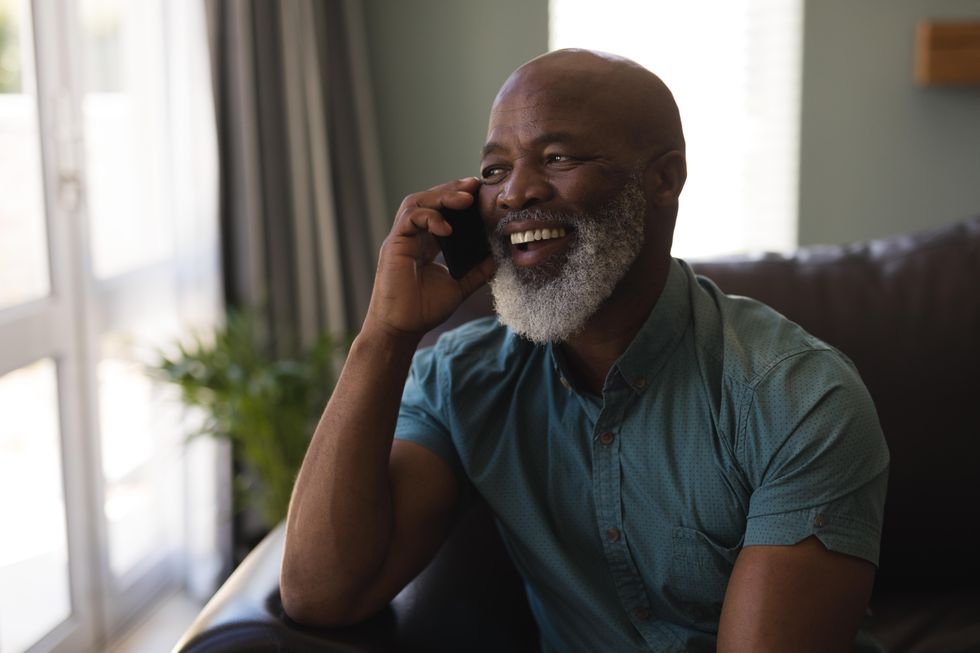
340, 521
362, 522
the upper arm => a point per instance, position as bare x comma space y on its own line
802, 597
425, 495
817, 464
426, 483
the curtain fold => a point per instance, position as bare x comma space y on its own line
301, 192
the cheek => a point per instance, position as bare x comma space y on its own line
486, 202
588, 191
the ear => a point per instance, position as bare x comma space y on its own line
665, 177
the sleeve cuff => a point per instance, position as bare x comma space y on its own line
837, 532
436, 443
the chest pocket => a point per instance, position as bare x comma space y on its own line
699, 572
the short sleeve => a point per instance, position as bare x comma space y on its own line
815, 456
423, 415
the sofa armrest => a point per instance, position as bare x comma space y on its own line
453, 605
246, 615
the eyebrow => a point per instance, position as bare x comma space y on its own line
540, 139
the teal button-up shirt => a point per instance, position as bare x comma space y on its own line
723, 425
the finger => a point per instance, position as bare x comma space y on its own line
430, 248
423, 219
466, 184
464, 192
454, 194
426, 216
457, 194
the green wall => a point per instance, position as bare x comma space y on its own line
436, 66
878, 154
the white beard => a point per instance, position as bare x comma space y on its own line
554, 300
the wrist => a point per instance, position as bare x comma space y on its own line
379, 337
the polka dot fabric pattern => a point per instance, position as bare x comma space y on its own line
722, 425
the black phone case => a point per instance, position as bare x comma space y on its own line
467, 245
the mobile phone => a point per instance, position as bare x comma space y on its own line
468, 245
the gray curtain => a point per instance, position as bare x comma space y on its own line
301, 195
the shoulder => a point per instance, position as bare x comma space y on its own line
471, 370
800, 399
754, 342
482, 350
472, 338
784, 382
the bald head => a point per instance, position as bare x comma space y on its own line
634, 103
574, 132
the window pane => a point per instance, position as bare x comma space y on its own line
23, 246
34, 583
734, 70
140, 456
123, 110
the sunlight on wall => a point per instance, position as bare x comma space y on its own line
734, 68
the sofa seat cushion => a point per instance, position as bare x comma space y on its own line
926, 622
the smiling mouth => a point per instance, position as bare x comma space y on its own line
523, 239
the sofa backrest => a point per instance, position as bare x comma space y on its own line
906, 310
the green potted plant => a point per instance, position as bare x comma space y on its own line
265, 405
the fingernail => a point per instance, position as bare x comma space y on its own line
466, 179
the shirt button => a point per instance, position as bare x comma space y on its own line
607, 438
819, 521
640, 382
612, 534
642, 614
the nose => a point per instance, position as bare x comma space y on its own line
524, 187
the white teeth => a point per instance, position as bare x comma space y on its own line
536, 234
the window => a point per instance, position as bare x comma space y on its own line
108, 250
734, 69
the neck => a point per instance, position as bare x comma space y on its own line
606, 336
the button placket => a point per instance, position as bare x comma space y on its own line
606, 470
606, 481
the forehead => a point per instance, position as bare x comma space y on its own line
525, 116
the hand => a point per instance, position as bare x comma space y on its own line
413, 294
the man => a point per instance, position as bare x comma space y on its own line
672, 469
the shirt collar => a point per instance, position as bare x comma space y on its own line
660, 334
656, 339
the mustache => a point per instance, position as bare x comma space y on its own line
534, 215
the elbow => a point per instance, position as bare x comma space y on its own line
319, 604
310, 608
306, 600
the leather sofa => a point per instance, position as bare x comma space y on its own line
906, 309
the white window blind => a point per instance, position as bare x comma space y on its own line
734, 68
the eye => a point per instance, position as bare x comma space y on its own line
492, 173
558, 158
